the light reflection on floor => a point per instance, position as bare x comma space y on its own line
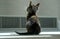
14, 35
42, 33
53, 33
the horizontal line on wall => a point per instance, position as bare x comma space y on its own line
25, 16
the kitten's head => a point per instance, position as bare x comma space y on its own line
32, 8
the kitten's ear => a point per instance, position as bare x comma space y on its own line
30, 3
38, 4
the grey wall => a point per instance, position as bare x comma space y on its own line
14, 7
59, 9
48, 8
58, 14
18, 7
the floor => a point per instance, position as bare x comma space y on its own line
48, 34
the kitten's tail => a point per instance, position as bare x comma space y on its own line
26, 33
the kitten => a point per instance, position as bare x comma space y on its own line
32, 25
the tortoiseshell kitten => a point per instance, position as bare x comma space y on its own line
32, 25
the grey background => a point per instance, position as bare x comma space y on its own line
17, 8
